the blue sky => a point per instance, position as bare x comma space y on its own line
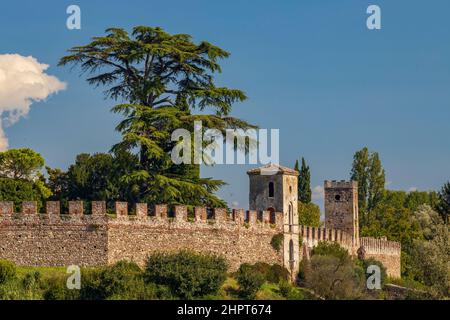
310, 68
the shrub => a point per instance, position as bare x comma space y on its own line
124, 281
31, 280
188, 274
277, 241
249, 281
285, 288
123, 278
331, 249
7, 271
332, 278
304, 265
277, 273
11, 290
90, 284
271, 273
371, 261
55, 288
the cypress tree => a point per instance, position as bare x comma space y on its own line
304, 182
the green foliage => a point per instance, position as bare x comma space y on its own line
277, 273
371, 261
277, 241
163, 78
359, 172
20, 177
410, 219
188, 274
415, 199
7, 271
55, 288
122, 279
308, 214
430, 259
443, 206
304, 182
19, 191
271, 273
95, 177
400, 216
249, 281
285, 288
369, 173
332, 273
333, 249
21, 164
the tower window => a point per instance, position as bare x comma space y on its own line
271, 190
337, 197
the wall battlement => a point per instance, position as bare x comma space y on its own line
313, 235
387, 252
340, 184
91, 234
141, 213
99, 236
380, 246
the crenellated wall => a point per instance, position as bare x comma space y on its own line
387, 252
54, 239
313, 235
51, 239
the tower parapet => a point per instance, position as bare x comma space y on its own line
341, 206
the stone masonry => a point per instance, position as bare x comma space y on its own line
54, 238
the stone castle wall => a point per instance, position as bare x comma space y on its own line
51, 239
30, 238
387, 252
54, 239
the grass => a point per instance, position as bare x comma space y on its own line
228, 291
46, 272
268, 291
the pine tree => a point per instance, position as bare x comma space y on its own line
163, 79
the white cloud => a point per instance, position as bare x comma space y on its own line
318, 193
412, 189
22, 82
235, 204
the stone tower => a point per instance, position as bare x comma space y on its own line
341, 207
274, 188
